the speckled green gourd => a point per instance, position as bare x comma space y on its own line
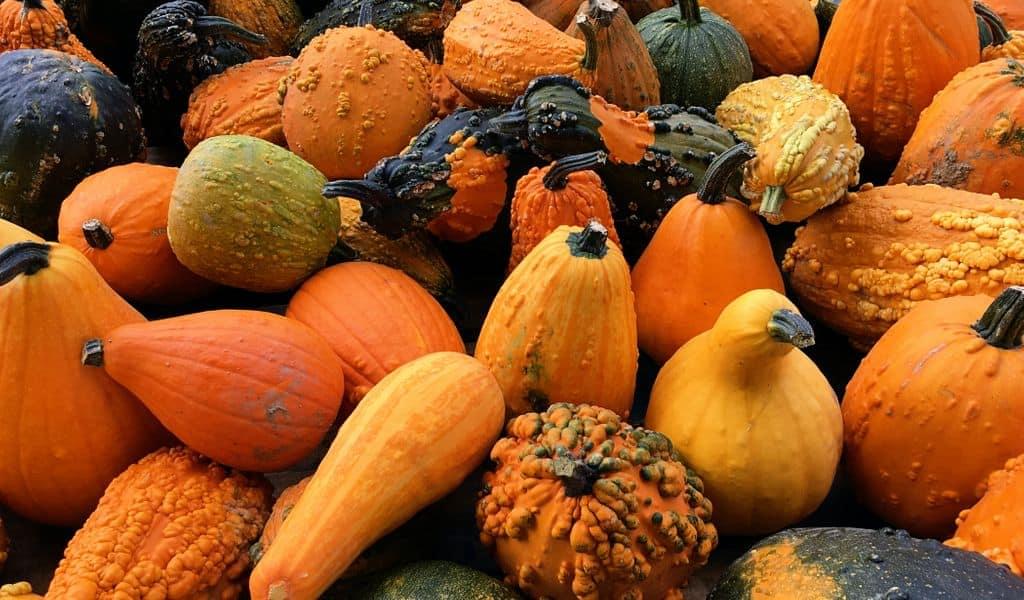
432, 580
249, 214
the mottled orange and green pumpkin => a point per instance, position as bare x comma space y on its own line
995, 525
40, 24
174, 525
782, 34
581, 505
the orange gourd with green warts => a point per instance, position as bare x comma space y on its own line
40, 24
493, 49
562, 327
708, 251
251, 390
581, 505
782, 34
396, 454
949, 373
995, 525
567, 192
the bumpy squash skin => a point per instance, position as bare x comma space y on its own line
753, 415
782, 34
993, 525
416, 22
40, 24
11, 233
242, 100
445, 96
1013, 47
494, 48
130, 203
249, 214
336, 302
968, 138
933, 377
569, 478
18, 591
399, 444
63, 119
563, 328
98, 428
865, 262
434, 580
174, 525
251, 390
886, 60
277, 20
861, 563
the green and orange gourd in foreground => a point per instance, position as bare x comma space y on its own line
562, 327
947, 375
995, 525
752, 415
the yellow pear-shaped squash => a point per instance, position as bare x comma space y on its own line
752, 415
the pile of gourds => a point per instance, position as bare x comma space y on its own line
615, 185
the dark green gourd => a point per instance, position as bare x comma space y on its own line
415, 22
61, 119
431, 580
700, 57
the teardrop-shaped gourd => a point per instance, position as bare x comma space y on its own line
412, 440
117, 218
493, 49
567, 192
251, 390
948, 372
782, 34
336, 303
562, 327
626, 76
716, 56
995, 525
65, 430
752, 415
807, 150
708, 251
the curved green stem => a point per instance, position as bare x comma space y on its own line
771, 203
1002, 325
23, 258
1000, 35
92, 353
589, 61
716, 179
789, 327
212, 26
592, 242
557, 176
97, 234
689, 10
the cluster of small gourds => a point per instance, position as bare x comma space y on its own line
624, 168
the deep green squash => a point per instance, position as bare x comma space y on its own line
108, 28
863, 564
700, 57
249, 214
415, 22
431, 580
61, 119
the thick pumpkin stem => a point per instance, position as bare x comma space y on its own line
1002, 325
589, 62
577, 477
771, 204
97, 234
92, 353
791, 328
716, 179
1000, 35
557, 176
365, 13
592, 242
689, 10
211, 26
382, 210
23, 258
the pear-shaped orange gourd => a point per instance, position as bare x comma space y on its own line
995, 525
709, 250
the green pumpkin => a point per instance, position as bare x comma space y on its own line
249, 214
848, 563
700, 57
431, 580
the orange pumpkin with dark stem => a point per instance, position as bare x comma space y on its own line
782, 34
336, 302
40, 24
947, 375
968, 138
995, 525
709, 250
117, 218
886, 59
567, 192
251, 390
65, 430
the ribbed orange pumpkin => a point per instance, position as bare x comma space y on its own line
117, 218
886, 59
995, 525
969, 137
251, 390
782, 34
338, 302
65, 430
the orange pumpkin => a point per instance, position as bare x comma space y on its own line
886, 59
117, 218
709, 250
40, 24
336, 302
782, 35
948, 376
995, 525
251, 390
559, 13
1010, 11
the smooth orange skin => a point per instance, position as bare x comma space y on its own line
886, 59
43, 28
1010, 11
65, 430
995, 525
932, 410
964, 139
11, 233
395, 455
702, 258
557, 12
337, 302
132, 200
251, 390
782, 34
